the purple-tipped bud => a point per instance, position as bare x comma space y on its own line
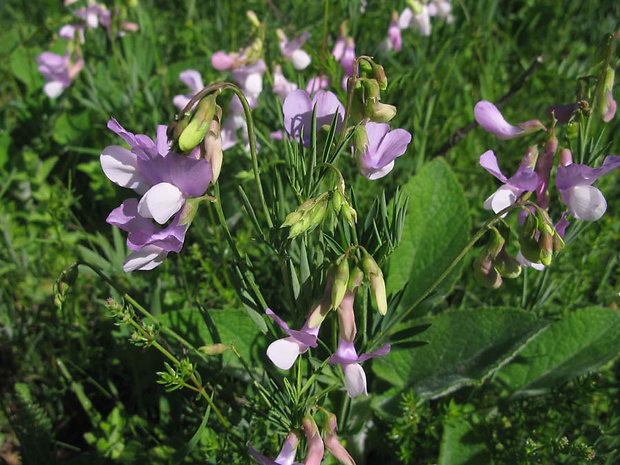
346, 314
545, 242
213, 145
565, 158
320, 309
316, 449
543, 169
485, 273
605, 100
530, 157
377, 283
333, 444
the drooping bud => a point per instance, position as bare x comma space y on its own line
346, 314
336, 202
316, 449
530, 156
332, 442
606, 105
213, 145
527, 239
379, 112
360, 141
341, 280
377, 283
506, 265
320, 309
545, 242
199, 124
349, 214
371, 88
485, 273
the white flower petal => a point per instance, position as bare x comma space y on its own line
53, 89
500, 199
146, 258
121, 167
355, 379
585, 202
300, 59
161, 202
283, 353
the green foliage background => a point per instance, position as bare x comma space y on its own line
74, 390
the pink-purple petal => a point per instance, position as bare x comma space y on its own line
489, 117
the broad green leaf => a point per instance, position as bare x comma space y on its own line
5, 143
225, 326
70, 127
579, 343
436, 229
24, 67
459, 446
463, 347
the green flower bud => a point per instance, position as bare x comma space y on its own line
213, 145
379, 112
377, 283
371, 88
379, 75
178, 126
341, 280
198, 126
337, 201
213, 349
365, 68
349, 214
545, 243
507, 266
299, 227
485, 273
527, 239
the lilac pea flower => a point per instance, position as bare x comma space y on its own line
348, 57
562, 113
250, 79
420, 20
394, 36
68, 32
316, 83
286, 455
339, 46
284, 352
489, 117
298, 109
282, 86
442, 9
383, 147
165, 178
292, 51
91, 14
193, 80
333, 444
574, 181
316, 448
354, 375
609, 109
222, 61
105, 18
149, 244
58, 72
524, 180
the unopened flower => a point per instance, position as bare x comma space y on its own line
489, 117
292, 51
419, 20
298, 109
524, 180
58, 71
284, 352
394, 36
333, 444
316, 449
346, 356
250, 80
193, 80
69, 32
376, 155
286, 455
574, 181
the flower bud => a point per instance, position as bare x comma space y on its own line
178, 126
213, 349
341, 280
530, 156
379, 112
377, 283
379, 75
507, 266
485, 273
371, 88
320, 309
299, 227
565, 157
606, 105
253, 18
213, 145
337, 201
527, 239
532, 126
332, 442
198, 126
316, 449
360, 141
545, 243
349, 214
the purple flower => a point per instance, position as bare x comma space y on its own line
383, 147
298, 108
346, 356
441, 9
562, 113
574, 181
193, 80
165, 178
281, 86
489, 117
394, 36
91, 14
250, 79
316, 83
609, 108
149, 244
68, 31
525, 179
58, 72
421, 20
292, 51
286, 455
284, 352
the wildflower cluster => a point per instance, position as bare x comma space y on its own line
539, 238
